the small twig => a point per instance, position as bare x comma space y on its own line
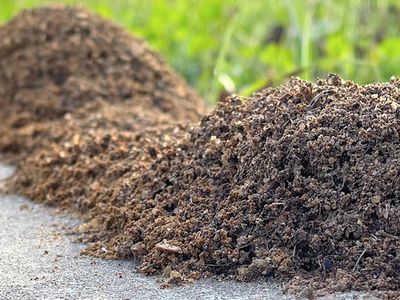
244, 246
319, 208
275, 204
384, 234
316, 100
149, 266
359, 259
219, 266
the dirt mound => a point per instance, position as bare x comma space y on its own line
80, 169
55, 60
299, 183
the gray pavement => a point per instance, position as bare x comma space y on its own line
40, 260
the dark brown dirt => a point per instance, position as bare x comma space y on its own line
56, 60
84, 105
77, 171
299, 183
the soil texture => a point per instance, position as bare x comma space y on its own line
299, 183
55, 61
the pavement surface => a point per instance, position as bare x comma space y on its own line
40, 260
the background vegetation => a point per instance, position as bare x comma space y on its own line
240, 46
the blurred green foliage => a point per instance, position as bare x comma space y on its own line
241, 46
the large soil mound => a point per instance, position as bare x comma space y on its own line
56, 60
300, 183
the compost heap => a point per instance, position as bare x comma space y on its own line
58, 61
300, 183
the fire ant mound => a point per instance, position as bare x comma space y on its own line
55, 60
80, 169
299, 183
86, 103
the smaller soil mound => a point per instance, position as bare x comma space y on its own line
299, 183
89, 103
54, 60
93, 154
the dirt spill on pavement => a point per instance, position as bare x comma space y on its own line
300, 183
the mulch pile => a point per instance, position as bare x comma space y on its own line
299, 183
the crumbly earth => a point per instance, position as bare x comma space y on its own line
92, 155
56, 60
300, 183
83, 104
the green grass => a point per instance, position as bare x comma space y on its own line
241, 46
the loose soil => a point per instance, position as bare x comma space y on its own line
300, 183
55, 61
